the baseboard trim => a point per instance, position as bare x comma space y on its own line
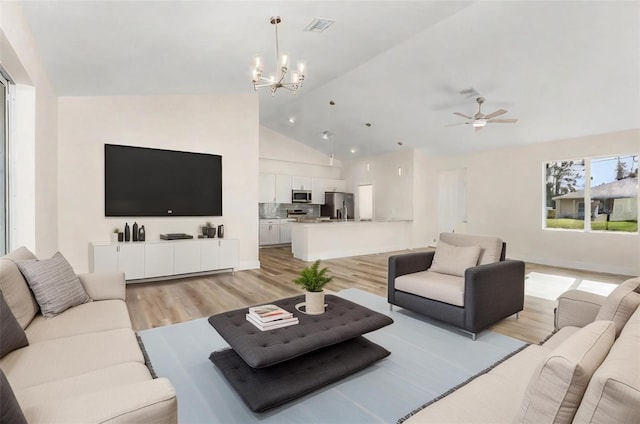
584, 266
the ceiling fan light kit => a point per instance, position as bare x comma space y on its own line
479, 120
277, 79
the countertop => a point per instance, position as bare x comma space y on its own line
350, 221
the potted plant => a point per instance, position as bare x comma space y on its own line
313, 279
114, 235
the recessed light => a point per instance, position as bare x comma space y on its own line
400, 143
326, 134
368, 124
292, 120
353, 150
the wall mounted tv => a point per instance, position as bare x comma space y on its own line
140, 181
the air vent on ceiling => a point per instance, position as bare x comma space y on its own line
319, 25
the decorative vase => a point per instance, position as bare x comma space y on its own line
127, 232
120, 237
314, 302
134, 231
211, 232
141, 234
220, 231
205, 230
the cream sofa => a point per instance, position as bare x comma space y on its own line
84, 365
587, 372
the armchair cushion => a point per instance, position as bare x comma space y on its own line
433, 285
621, 304
490, 247
454, 260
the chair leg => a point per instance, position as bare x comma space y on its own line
473, 337
517, 315
390, 307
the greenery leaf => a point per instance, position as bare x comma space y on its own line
312, 278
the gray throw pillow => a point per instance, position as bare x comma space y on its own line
12, 336
54, 284
10, 411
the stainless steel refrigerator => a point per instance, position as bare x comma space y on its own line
336, 205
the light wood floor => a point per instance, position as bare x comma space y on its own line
163, 303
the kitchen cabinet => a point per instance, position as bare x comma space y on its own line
317, 191
285, 230
283, 188
165, 258
267, 188
331, 184
300, 183
127, 258
269, 231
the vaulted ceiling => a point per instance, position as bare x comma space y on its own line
563, 68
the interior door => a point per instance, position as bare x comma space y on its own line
452, 200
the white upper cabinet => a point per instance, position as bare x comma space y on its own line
300, 183
283, 188
335, 185
267, 188
317, 190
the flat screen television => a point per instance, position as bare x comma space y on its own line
140, 181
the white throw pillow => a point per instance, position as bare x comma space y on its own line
54, 284
454, 260
558, 384
621, 304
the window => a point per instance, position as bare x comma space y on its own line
365, 202
608, 203
4, 142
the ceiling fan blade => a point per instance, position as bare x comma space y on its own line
503, 121
462, 115
461, 123
496, 113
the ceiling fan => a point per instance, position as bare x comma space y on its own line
479, 120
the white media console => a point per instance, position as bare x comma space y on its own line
147, 260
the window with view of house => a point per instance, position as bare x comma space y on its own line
608, 202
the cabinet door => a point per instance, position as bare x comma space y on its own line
265, 234
267, 188
186, 257
300, 183
105, 258
131, 260
158, 259
229, 253
285, 232
332, 184
317, 191
210, 255
283, 188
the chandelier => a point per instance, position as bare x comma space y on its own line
277, 80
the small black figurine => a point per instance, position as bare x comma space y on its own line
135, 231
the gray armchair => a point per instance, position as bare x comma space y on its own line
481, 296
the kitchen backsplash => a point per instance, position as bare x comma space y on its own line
279, 210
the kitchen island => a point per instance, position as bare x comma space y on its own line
338, 239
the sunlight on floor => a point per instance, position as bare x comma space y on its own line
550, 286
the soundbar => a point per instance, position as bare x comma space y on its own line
175, 236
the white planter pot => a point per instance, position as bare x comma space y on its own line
314, 303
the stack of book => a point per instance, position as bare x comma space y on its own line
270, 317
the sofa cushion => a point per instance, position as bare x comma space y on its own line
89, 317
556, 387
613, 394
433, 285
54, 284
52, 360
490, 247
454, 260
10, 411
15, 289
621, 304
12, 336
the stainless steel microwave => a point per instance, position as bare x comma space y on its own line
300, 196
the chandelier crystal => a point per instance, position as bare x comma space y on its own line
277, 80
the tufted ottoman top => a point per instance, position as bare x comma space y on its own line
342, 320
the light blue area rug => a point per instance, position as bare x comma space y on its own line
426, 360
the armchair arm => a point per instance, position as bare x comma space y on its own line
493, 292
407, 263
577, 308
152, 401
104, 285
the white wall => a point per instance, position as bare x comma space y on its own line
504, 198
34, 202
392, 193
280, 154
220, 124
